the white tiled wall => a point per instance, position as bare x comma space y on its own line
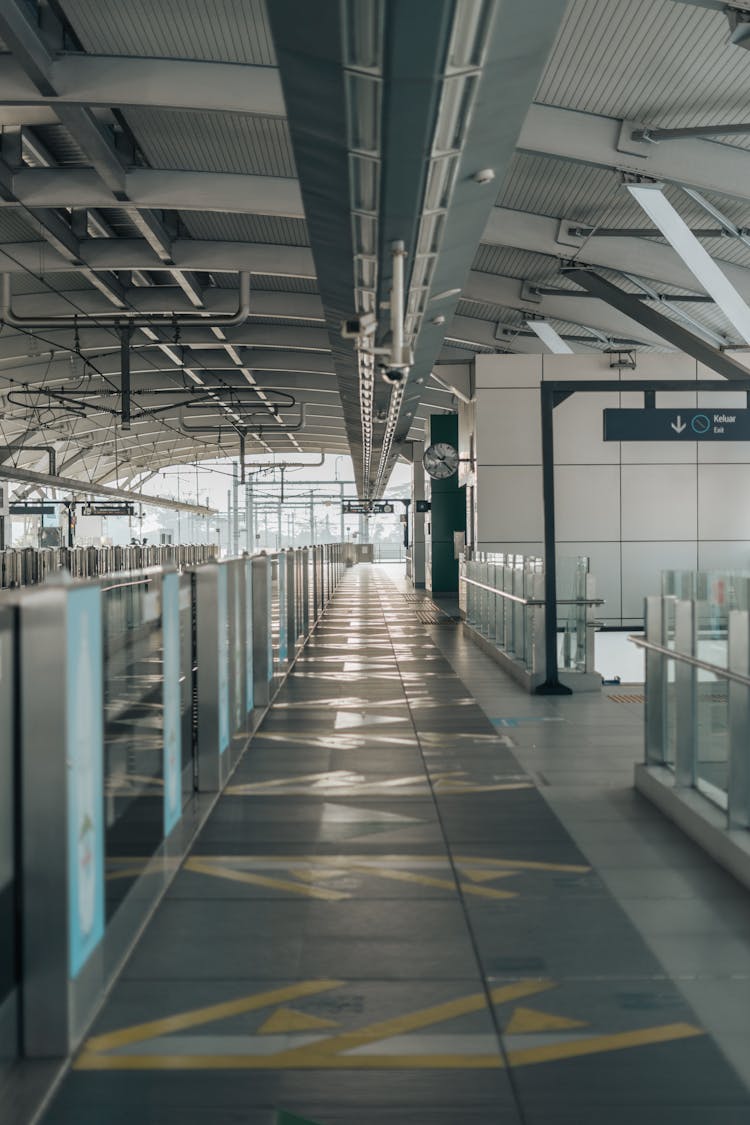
636, 508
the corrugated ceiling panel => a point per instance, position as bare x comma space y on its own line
522, 264
654, 61
13, 228
545, 186
219, 227
62, 282
270, 282
213, 142
61, 146
216, 30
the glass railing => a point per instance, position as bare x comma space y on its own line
9, 936
135, 696
502, 598
698, 687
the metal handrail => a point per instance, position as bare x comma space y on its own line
530, 601
716, 669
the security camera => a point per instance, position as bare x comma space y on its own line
393, 375
358, 326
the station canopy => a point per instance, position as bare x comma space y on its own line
160, 156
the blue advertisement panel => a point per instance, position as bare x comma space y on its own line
282, 608
170, 624
223, 658
85, 754
249, 695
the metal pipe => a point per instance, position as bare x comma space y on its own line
132, 316
398, 253
655, 135
259, 428
22, 448
693, 661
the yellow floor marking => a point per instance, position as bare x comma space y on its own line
198, 1016
284, 781
287, 1019
430, 881
524, 864
311, 874
218, 871
89, 1060
472, 787
601, 1043
126, 873
337, 1045
526, 1020
479, 876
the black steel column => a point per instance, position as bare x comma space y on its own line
551, 685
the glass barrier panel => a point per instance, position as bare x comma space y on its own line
9, 951
712, 721
188, 685
133, 728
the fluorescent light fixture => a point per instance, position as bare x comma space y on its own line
553, 340
677, 233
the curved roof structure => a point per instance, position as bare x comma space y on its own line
152, 151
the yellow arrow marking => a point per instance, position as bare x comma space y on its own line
203, 867
413, 1021
526, 1020
479, 876
198, 1016
286, 1019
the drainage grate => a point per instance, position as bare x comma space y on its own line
429, 618
627, 698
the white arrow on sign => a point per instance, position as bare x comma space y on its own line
679, 425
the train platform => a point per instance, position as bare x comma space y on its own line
428, 898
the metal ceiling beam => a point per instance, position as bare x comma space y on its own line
15, 346
606, 142
542, 235
163, 83
168, 299
152, 363
514, 50
82, 488
134, 254
160, 189
493, 289
637, 310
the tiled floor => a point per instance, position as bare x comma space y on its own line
386, 919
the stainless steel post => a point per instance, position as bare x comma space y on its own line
315, 583
305, 565
656, 683
686, 741
262, 643
291, 603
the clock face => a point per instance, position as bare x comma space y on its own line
440, 460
